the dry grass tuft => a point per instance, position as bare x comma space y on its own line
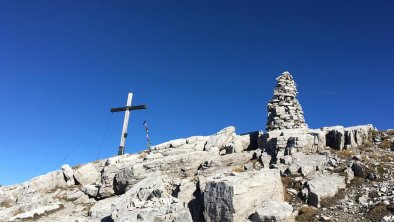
239, 169
344, 154
366, 146
386, 144
306, 213
286, 184
385, 157
331, 201
377, 211
5, 204
142, 155
373, 133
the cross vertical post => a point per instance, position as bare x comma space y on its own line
125, 125
127, 110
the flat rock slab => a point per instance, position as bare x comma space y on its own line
307, 164
234, 198
274, 211
323, 186
36, 212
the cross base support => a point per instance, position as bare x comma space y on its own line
121, 150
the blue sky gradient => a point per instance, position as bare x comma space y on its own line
199, 65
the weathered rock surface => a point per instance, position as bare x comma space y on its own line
87, 174
234, 198
306, 164
225, 177
323, 186
68, 174
274, 211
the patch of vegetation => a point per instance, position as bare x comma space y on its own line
375, 156
5, 204
239, 169
331, 201
366, 146
286, 184
373, 194
373, 133
142, 155
381, 170
378, 211
357, 181
345, 154
306, 213
386, 144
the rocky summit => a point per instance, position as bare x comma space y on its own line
288, 173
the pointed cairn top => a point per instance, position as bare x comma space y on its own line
285, 76
284, 110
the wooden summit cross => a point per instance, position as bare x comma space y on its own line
127, 109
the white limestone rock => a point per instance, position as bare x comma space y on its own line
274, 211
87, 174
112, 167
31, 214
149, 200
68, 174
323, 186
335, 136
357, 135
101, 211
221, 138
91, 190
306, 140
234, 198
308, 164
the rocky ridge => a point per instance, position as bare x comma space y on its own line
286, 174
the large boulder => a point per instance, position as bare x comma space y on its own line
221, 139
87, 174
235, 197
112, 167
68, 174
322, 186
359, 169
101, 211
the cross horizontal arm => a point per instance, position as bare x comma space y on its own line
128, 108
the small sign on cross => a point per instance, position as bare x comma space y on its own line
127, 110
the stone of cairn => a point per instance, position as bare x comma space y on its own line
284, 110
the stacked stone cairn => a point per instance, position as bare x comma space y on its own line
284, 110
288, 132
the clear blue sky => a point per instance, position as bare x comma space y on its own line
199, 65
